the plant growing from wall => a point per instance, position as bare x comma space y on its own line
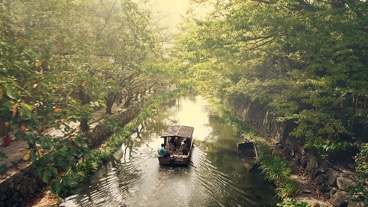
292, 203
276, 170
360, 191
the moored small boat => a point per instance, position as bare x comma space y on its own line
178, 144
248, 152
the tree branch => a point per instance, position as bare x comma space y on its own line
265, 2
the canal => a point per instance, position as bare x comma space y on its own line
215, 176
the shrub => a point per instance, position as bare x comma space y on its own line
360, 192
292, 203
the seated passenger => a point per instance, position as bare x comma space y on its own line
161, 151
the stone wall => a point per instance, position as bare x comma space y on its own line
22, 185
101, 131
332, 181
19, 187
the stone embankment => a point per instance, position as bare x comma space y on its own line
323, 184
21, 184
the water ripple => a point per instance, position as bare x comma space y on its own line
214, 177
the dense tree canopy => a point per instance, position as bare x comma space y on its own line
62, 60
305, 61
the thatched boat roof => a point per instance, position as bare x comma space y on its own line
179, 131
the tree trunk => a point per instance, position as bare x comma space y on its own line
110, 100
128, 99
84, 125
85, 99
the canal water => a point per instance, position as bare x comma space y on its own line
215, 176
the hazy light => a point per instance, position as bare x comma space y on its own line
170, 13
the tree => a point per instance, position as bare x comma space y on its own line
59, 61
298, 58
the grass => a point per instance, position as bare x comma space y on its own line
276, 170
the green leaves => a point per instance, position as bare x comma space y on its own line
46, 177
276, 170
292, 203
299, 59
3, 169
360, 192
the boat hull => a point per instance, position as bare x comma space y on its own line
174, 161
248, 153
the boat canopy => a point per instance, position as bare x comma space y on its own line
179, 131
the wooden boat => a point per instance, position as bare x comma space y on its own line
180, 136
248, 152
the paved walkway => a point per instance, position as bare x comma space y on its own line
15, 152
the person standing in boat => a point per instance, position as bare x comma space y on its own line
177, 142
185, 147
172, 146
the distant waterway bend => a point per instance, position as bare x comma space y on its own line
215, 176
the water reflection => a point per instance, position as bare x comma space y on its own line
215, 176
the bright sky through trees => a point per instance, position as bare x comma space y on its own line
169, 13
